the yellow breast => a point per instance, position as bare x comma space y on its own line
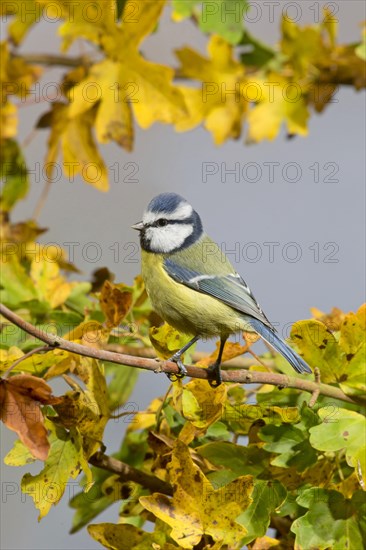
187, 310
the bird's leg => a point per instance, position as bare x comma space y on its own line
176, 358
215, 372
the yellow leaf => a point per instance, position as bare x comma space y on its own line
219, 104
167, 341
65, 460
87, 410
197, 508
51, 286
302, 46
231, 350
26, 13
280, 101
330, 24
8, 120
127, 537
332, 320
319, 348
73, 136
125, 80
89, 333
199, 404
103, 86
265, 543
146, 419
19, 455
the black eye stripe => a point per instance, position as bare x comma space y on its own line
158, 223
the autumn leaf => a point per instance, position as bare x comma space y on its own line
231, 350
13, 171
115, 302
199, 404
219, 103
318, 346
26, 13
332, 320
74, 138
127, 537
197, 509
278, 101
66, 459
20, 396
167, 340
87, 410
50, 285
125, 81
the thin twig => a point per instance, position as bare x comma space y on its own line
25, 356
42, 199
239, 376
51, 59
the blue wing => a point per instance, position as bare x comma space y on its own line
233, 291
229, 288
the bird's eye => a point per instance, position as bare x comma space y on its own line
162, 222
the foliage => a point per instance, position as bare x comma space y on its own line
241, 86
226, 468
266, 464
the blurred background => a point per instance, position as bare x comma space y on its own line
290, 214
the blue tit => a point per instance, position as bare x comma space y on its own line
193, 286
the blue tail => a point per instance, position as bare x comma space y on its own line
279, 345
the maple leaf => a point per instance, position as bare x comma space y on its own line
219, 104
167, 340
20, 396
115, 302
125, 80
197, 509
73, 136
66, 459
279, 101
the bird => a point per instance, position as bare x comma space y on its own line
193, 286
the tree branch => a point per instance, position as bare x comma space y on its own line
238, 376
129, 473
51, 59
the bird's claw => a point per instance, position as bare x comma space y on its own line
215, 378
182, 370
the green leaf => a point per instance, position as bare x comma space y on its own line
120, 387
223, 17
14, 172
16, 286
267, 497
89, 505
240, 460
78, 299
256, 53
332, 521
318, 346
291, 442
19, 455
65, 461
344, 430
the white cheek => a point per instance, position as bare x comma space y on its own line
166, 239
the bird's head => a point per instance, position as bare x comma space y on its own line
168, 224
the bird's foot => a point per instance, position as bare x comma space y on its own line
214, 375
182, 370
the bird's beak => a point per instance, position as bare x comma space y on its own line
138, 226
